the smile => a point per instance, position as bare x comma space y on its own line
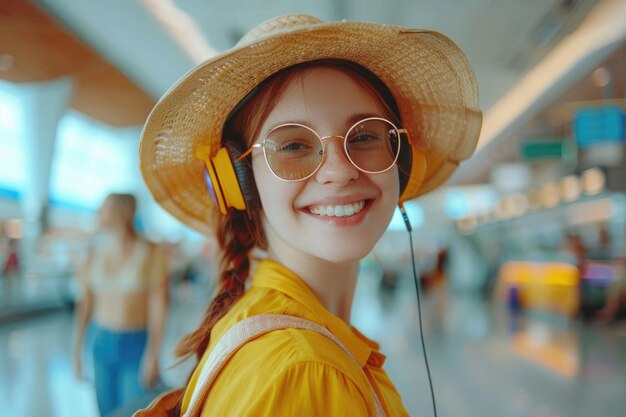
344, 210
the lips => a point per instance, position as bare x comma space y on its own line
342, 210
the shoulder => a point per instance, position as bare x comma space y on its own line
150, 248
279, 349
283, 352
153, 261
283, 349
287, 371
154, 253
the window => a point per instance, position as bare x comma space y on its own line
90, 161
12, 175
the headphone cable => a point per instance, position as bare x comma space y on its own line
419, 307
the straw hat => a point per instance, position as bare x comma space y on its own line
427, 73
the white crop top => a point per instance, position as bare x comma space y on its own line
137, 274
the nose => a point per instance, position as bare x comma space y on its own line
336, 167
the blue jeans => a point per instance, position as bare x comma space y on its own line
116, 364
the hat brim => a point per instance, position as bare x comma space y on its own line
429, 76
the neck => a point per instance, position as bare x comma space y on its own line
332, 283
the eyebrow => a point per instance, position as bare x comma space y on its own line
349, 122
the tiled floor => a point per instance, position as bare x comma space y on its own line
484, 362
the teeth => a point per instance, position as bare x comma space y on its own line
338, 211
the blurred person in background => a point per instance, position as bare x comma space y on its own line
124, 301
11, 265
615, 305
573, 250
299, 144
437, 276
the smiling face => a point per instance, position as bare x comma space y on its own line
339, 213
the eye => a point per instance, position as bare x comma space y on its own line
293, 146
364, 141
363, 137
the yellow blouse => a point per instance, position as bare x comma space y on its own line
295, 372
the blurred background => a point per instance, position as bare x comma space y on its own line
520, 255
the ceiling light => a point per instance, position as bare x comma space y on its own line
593, 181
6, 62
601, 77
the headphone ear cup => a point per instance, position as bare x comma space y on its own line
213, 186
245, 178
228, 181
416, 176
211, 178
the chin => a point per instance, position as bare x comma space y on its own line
344, 253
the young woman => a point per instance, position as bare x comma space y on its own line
124, 299
300, 143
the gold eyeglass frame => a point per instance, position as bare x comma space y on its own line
322, 139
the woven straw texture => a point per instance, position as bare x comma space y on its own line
427, 73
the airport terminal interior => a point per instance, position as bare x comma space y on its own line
520, 256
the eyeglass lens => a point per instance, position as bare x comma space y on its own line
294, 152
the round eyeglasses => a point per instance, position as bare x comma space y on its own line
294, 152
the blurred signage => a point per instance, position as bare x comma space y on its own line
598, 125
543, 286
542, 149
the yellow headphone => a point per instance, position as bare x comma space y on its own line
221, 178
228, 180
416, 176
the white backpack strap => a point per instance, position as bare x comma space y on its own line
243, 332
